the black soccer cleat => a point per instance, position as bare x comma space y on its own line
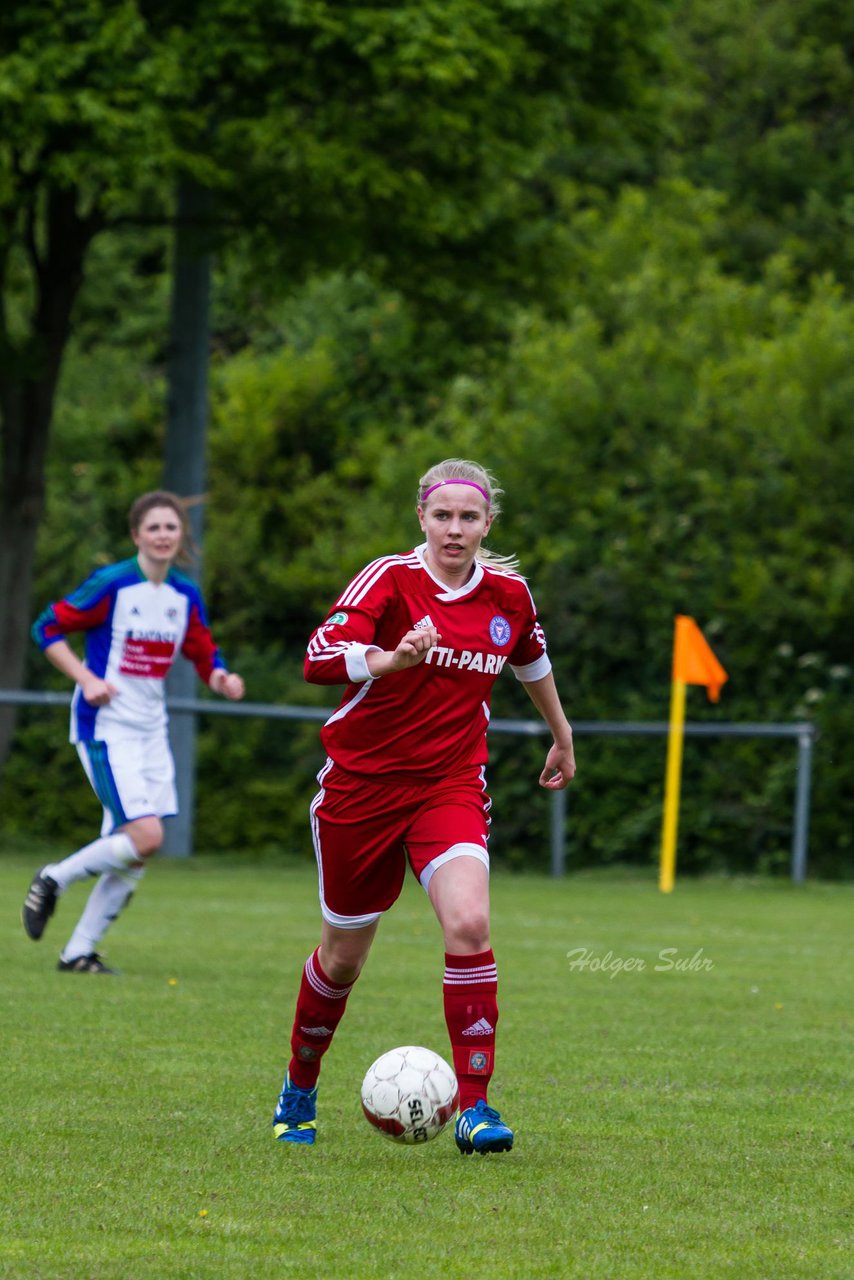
39, 905
85, 964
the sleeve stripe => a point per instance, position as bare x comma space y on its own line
330, 653
319, 648
371, 574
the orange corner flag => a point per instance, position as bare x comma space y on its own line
693, 660
693, 663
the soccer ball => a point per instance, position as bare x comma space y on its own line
410, 1094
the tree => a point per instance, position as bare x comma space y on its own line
415, 135
678, 441
84, 102
761, 110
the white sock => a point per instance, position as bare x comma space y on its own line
111, 853
110, 895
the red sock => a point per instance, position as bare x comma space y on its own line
320, 1007
471, 1012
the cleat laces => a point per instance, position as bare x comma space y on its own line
296, 1106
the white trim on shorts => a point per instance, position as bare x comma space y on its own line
347, 922
331, 917
455, 851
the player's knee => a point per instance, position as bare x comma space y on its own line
345, 973
344, 968
146, 834
342, 962
467, 931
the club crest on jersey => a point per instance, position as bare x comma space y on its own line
499, 630
479, 1061
337, 619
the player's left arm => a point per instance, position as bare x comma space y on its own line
531, 666
200, 648
559, 768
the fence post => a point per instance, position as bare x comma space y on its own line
558, 833
803, 786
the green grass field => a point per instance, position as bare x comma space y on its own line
679, 1116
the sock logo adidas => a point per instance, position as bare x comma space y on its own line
315, 1031
480, 1028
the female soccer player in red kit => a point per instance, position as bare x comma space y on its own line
418, 639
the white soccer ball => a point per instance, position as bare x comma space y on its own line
410, 1094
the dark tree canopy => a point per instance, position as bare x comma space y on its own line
411, 135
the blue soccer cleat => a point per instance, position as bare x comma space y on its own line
479, 1128
294, 1120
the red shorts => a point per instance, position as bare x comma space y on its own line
364, 832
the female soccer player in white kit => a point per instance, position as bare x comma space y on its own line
418, 639
137, 616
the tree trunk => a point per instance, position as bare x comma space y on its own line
29, 373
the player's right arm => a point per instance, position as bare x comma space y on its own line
343, 649
96, 691
340, 651
412, 648
65, 617
337, 650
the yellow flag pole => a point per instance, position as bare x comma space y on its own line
676, 736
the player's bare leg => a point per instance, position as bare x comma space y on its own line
343, 952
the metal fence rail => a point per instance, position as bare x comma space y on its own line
803, 732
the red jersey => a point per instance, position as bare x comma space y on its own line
430, 720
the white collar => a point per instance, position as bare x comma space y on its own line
446, 594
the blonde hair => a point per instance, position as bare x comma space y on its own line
473, 473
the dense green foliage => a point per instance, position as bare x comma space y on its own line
669, 413
417, 139
764, 112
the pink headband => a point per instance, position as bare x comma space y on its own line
470, 483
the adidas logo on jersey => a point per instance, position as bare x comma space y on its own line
425, 622
480, 1028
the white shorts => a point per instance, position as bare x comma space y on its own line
133, 777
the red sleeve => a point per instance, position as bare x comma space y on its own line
326, 656
199, 645
61, 619
531, 645
529, 658
349, 629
